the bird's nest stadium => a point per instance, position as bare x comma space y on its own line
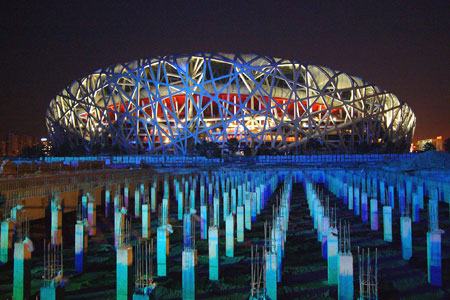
169, 104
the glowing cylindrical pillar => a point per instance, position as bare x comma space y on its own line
382, 193
357, 201
107, 202
56, 226
345, 280
213, 245
125, 196
415, 208
350, 197
153, 197
180, 205
434, 258
81, 244
364, 207
124, 274
92, 218
387, 223
162, 247
405, 231
391, 196
137, 203
229, 238
271, 275
248, 213
22, 269
240, 224
146, 220
188, 274
203, 222
374, 214
332, 255
325, 227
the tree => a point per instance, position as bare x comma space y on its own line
428, 147
232, 145
447, 145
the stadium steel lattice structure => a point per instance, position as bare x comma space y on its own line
168, 104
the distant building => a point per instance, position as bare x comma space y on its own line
13, 144
437, 142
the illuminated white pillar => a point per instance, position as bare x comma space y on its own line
405, 231
374, 214
387, 223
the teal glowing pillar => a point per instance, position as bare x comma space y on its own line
56, 223
357, 201
229, 238
107, 202
81, 244
278, 238
203, 222
116, 202
22, 269
434, 257
350, 197
240, 224
84, 202
248, 213
213, 245
391, 196
271, 275
364, 207
125, 196
146, 220
319, 222
382, 193
52, 292
124, 275
332, 255
137, 203
405, 231
92, 218
188, 274
6, 237
165, 210
226, 204
216, 209
345, 279
325, 227
180, 205
374, 214
162, 248
415, 208
420, 195
119, 222
387, 223
258, 200
153, 198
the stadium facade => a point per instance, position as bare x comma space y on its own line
169, 104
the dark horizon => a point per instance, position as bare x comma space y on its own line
402, 47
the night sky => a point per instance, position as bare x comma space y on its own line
402, 46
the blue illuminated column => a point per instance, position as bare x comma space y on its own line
233, 200
229, 239
84, 202
271, 275
125, 196
180, 198
278, 238
375, 187
116, 202
350, 197
203, 222
248, 213
415, 208
332, 255
107, 202
382, 193
325, 227
226, 204
81, 244
364, 207
374, 214
240, 224
188, 274
22, 269
345, 280
402, 200
434, 257
137, 203
345, 193
387, 223
357, 201
216, 212
405, 231
213, 244
146, 220
433, 205
187, 234
391, 196
162, 249
124, 275
258, 200
319, 215
420, 194
153, 196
